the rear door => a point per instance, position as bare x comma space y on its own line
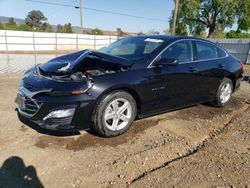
210, 62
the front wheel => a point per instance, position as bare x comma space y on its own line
114, 113
224, 93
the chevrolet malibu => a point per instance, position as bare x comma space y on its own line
132, 78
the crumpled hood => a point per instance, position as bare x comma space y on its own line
34, 82
68, 63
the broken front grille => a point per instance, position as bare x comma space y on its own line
29, 106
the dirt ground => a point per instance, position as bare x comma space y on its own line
200, 146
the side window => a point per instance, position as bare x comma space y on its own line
180, 50
205, 50
221, 52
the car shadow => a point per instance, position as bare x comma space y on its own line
45, 131
246, 79
13, 173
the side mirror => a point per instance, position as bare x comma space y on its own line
166, 61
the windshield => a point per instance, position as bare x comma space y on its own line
133, 47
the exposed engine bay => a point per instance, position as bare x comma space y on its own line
87, 65
78, 76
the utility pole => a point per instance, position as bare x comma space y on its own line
81, 20
175, 16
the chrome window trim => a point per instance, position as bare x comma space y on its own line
179, 40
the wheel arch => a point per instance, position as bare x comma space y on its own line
233, 79
127, 89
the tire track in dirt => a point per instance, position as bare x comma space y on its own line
197, 148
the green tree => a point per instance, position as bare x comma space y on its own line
181, 27
35, 20
67, 28
96, 31
218, 34
140, 34
167, 31
1, 26
243, 15
153, 32
119, 32
198, 31
59, 28
236, 34
11, 21
11, 24
198, 15
47, 27
23, 27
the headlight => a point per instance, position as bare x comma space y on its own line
21, 84
80, 91
60, 113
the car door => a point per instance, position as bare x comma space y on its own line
210, 62
172, 86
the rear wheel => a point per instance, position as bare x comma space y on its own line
114, 113
224, 93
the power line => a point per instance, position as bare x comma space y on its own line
51, 3
98, 10
59, 9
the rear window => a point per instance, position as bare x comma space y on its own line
205, 50
221, 53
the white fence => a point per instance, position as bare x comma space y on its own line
20, 50
36, 41
240, 48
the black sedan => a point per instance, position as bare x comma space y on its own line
135, 77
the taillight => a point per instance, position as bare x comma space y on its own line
241, 65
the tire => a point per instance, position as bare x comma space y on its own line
219, 100
114, 113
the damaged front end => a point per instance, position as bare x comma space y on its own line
82, 66
55, 94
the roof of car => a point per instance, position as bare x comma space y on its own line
168, 37
157, 36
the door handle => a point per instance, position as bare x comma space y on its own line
192, 69
220, 66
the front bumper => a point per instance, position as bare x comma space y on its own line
80, 119
57, 119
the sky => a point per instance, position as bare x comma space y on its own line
159, 9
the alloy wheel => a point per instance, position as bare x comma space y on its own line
117, 114
225, 93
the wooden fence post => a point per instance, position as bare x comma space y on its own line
56, 44
94, 42
7, 49
77, 42
248, 55
34, 47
